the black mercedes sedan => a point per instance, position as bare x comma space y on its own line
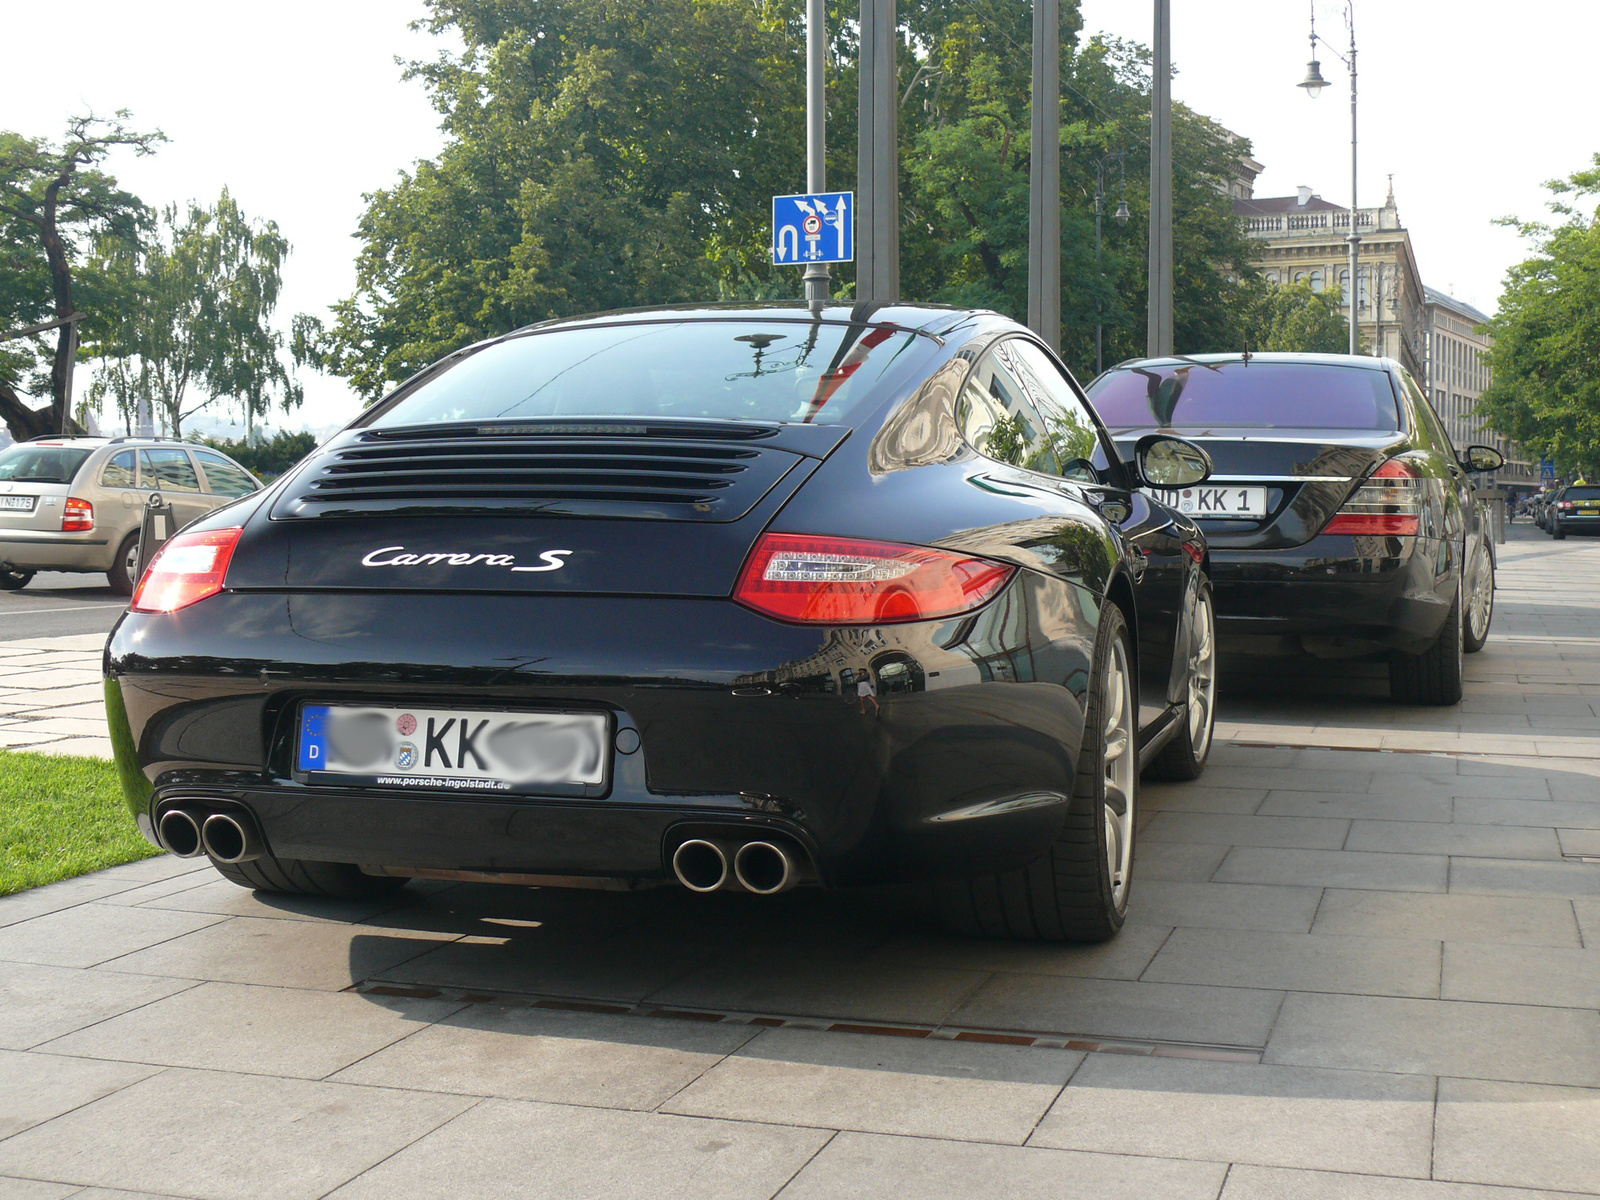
1340, 517
737, 598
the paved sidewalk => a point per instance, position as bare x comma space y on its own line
51, 698
1348, 974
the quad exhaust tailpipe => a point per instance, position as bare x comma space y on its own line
713, 864
230, 838
179, 832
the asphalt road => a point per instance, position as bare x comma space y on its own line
56, 603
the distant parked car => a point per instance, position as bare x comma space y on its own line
1340, 517
1575, 510
77, 503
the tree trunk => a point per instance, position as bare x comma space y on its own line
55, 251
22, 421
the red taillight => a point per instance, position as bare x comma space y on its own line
186, 570
844, 581
76, 516
1564, 504
1387, 504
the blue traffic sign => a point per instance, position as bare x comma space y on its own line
813, 229
1547, 469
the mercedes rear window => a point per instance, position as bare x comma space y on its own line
779, 371
27, 463
1247, 394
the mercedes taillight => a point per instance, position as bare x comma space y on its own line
1388, 503
847, 581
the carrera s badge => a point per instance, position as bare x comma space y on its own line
550, 560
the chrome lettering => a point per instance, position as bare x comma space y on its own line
553, 560
368, 560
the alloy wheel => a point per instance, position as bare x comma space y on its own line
1120, 767
1202, 678
1482, 602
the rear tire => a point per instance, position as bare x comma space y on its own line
300, 877
1184, 757
14, 581
1434, 676
1556, 531
1077, 891
1480, 605
124, 573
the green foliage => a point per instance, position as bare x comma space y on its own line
1545, 360
61, 816
194, 327
1293, 317
604, 155
270, 458
55, 204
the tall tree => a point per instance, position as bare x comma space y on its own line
1545, 359
1293, 317
54, 201
206, 283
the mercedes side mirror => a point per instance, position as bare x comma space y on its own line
1164, 461
1482, 458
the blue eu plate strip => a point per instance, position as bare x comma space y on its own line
313, 737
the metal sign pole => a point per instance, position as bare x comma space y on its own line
1158, 337
816, 274
1044, 177
877, 160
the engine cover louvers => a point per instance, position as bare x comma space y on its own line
623, 471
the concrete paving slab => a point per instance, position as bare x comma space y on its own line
516, 1150
1580, 842
12, 1188
940, 1089
1118, 1009
1299, 962
855, 1166
212, 894
1510, 920
38, 1003
1176, 862
1522, 975
1246, 1112
1197, 797
1518, 1133
296, 954
1510, 877
256, 1030
88, 934
523, 1053
1476, 841
56, 897
1124, 957
1280, 1183
1567, 814
36, 1087
81, 747
1362, 807
1269, 907
1219, 829
228, 1137
1334, 869
1353, 777
1438, 1037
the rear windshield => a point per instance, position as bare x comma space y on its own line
41, 464
733, 370
1581, 493
1263, 395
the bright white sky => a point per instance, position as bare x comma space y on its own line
299, 108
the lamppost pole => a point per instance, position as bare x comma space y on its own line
816, 274
1313, 84
1158, 337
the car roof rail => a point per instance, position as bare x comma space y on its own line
139, 437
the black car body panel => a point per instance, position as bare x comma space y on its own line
723, 716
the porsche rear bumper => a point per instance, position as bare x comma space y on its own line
963, 763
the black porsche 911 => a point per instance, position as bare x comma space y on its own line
741, 598
1341, 518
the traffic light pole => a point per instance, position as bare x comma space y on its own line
1044, 177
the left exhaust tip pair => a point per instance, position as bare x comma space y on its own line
226, 837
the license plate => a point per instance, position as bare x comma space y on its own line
549, 753
16, 503
1215, 501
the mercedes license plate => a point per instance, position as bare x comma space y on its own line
561, 753
16, 503
1215, 501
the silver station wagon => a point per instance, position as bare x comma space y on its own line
77, 503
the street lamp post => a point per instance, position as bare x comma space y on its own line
1313, 84
1121, 216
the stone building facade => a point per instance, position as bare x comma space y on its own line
1457, 375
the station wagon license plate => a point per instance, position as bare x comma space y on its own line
16, 503
561, 753
1215, 501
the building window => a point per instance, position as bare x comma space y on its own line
1316, 281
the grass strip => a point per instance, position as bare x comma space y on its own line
61, 816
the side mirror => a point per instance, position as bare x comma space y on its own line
1164, 461
1482, 458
